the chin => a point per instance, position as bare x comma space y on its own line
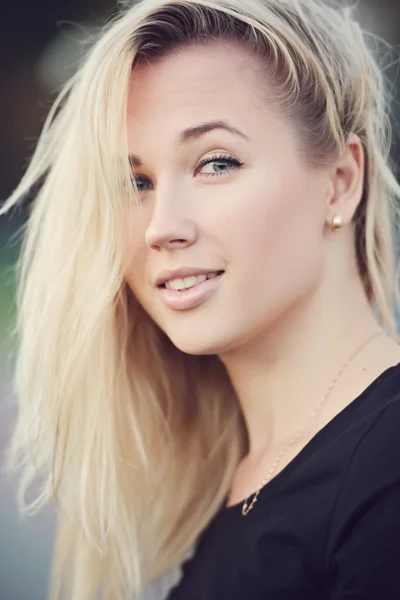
194, 347
199, 345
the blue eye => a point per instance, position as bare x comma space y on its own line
140, 182
219, 161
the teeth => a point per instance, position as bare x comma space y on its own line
188, 282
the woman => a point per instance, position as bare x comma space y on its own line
207, 353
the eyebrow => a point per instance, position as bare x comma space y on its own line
193, 133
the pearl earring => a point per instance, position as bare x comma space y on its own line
337, 223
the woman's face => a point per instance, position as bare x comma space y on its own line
236, 198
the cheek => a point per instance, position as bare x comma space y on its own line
278, 242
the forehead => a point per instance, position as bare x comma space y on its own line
196, 78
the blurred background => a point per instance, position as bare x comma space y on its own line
40, 43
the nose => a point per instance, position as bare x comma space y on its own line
170, 226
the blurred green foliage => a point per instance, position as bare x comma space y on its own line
9, 250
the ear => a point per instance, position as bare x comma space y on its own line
347, 181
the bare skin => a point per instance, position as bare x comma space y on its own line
290, 309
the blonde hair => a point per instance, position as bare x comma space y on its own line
136, 441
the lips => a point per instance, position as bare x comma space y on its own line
182, 300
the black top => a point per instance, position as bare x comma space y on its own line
325, 527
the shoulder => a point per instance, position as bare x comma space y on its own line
374, 464
363, 542
376, 457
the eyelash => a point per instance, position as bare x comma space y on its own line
235, 164
221, 158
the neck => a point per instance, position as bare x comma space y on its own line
281, 376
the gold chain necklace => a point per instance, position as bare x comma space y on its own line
246, 508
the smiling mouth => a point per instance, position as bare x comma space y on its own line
186, 298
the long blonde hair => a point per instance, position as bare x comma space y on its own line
135, 441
